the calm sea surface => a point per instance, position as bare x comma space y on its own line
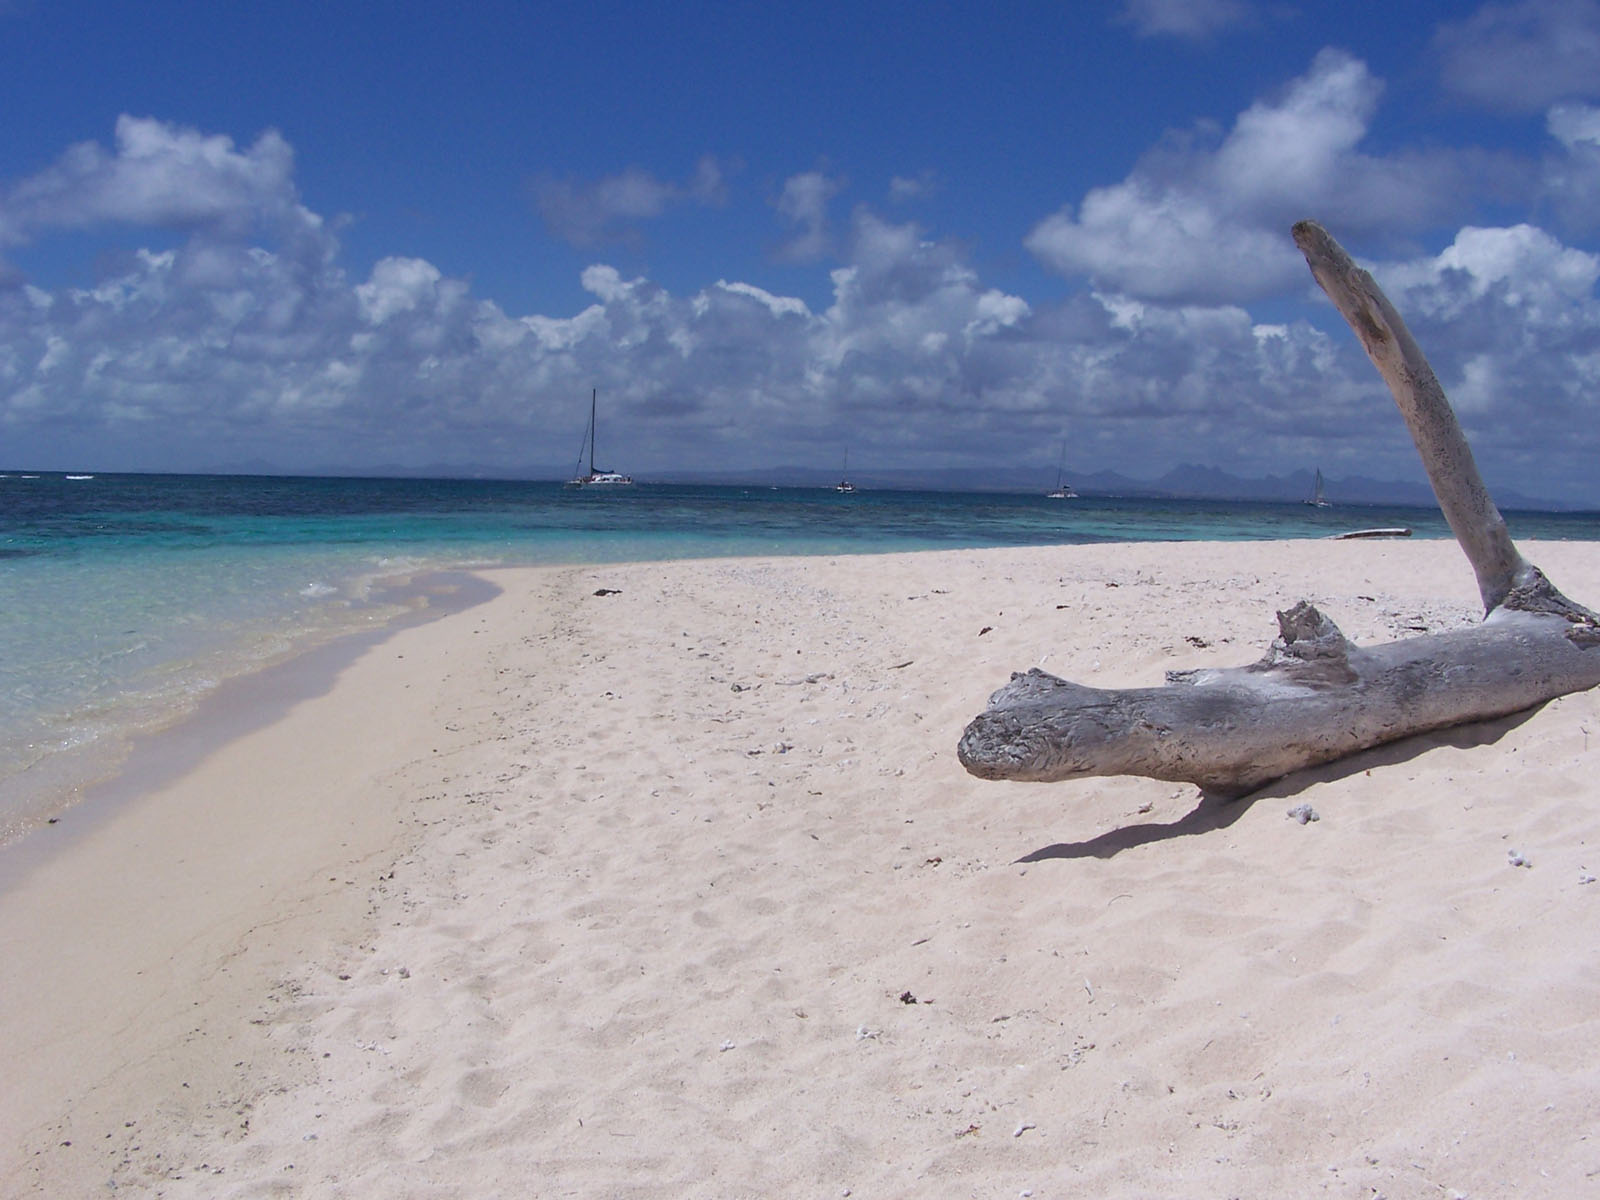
123, 598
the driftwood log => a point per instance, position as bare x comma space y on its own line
1315, 697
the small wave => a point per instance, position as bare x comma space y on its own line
80, 476
315, 591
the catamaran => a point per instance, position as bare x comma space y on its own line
844, 484
1063, 491
1318, 500
595, 478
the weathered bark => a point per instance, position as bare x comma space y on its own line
1464, 500
1313, 699
1316, 697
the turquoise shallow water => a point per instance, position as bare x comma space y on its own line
126, 597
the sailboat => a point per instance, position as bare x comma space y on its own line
1063, 491
844, 484
1318, 500
595, 478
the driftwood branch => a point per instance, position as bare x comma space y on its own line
1452, 471
1316, 697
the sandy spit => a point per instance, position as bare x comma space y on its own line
679, 890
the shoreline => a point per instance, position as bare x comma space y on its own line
621, 893
160, 881
67, 779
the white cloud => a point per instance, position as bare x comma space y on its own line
226, 350
164, 176
778, 306
709, 184
1161, 244
1535, 270
1571, 176
906, 189
1522, 57
913, 353
1575, 126
1199, 223
804, 203
233, 345
397, 285
610, 209
605, 282
1184, 18
1511, 323
911, 328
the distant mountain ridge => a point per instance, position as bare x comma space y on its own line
1188, 481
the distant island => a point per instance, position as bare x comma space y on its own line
1185, 482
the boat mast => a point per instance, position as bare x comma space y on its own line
594, 396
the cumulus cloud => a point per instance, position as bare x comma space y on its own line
1184, 18
234, 346
1522, 57
592, 212
1575, 126
1571, 175
906, 189
162, 176
398, 285
1510, 320
804, 204
227, 350
1190, 205
1486, 274
912, 330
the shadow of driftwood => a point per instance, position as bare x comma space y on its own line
1215, 811
1460, 737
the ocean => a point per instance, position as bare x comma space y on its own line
126, 598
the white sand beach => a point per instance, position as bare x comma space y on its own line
679, 890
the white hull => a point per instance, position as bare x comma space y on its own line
1318, 500
596, 478
1063, 488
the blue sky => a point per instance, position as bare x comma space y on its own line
317, 238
